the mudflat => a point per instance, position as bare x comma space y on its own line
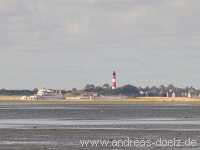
69, 139
74, 127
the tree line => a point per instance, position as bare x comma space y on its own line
7, 92
126, 90
131, 90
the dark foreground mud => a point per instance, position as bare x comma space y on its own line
69, 139
82, 127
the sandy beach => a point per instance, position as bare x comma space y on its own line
138, 100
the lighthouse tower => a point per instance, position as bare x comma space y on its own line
114, 81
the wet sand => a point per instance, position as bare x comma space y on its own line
62, 127
68, 139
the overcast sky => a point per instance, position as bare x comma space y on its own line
69, 43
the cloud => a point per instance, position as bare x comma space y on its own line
7, 5
72, 28
179, 3
96, 36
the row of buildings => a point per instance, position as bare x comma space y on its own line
114, 92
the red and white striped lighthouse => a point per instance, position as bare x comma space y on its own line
114, 81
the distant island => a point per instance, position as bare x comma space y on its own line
106, 90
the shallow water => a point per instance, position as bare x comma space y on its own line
62, 126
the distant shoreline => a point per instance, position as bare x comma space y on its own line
138, 100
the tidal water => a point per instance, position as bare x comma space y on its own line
63, 126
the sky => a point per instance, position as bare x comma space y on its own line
69, 43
